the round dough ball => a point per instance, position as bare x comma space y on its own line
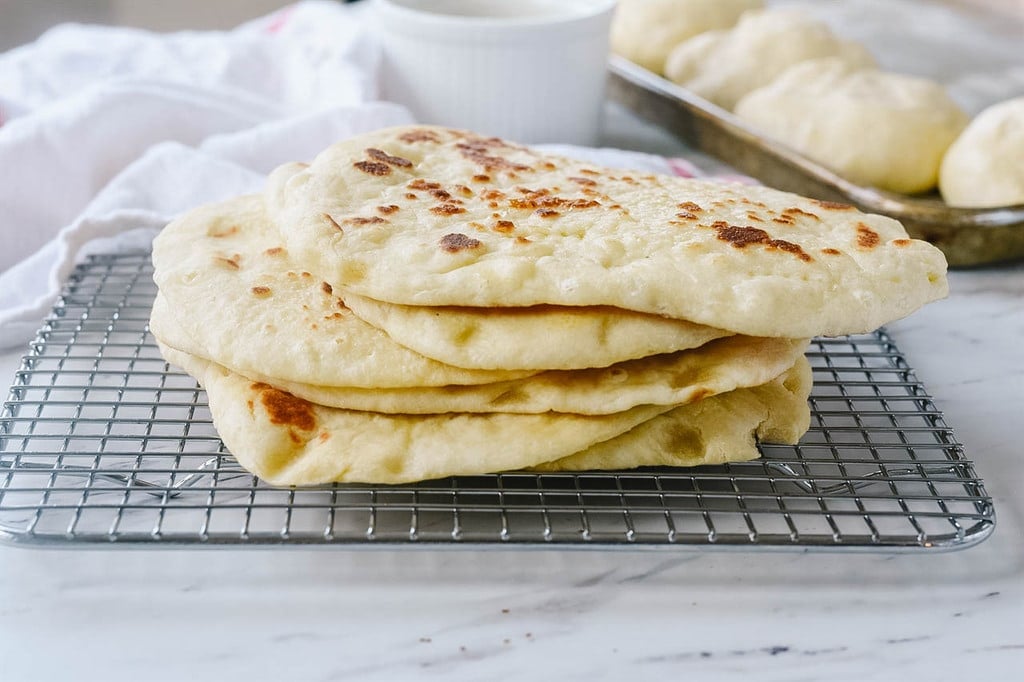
645, 31
872, 128
723, 66
984, 167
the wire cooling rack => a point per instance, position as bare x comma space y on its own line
102, 443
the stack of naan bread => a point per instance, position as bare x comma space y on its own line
422, 302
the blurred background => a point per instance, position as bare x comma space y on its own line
22, 21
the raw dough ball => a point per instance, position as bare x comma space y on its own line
984, 167
645, 31
873, 128
723, 66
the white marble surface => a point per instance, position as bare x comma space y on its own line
507, 615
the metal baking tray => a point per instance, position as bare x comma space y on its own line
103, 444
966, 236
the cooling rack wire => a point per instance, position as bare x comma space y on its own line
101, 443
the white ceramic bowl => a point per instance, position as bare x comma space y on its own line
526, 70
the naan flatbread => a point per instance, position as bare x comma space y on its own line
717, 430
433, 217
673, 379
237, 297
538, 337
289, 441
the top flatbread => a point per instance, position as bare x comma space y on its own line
429, 216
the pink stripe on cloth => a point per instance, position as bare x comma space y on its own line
683, 168
279, 19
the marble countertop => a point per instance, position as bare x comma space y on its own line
582, 615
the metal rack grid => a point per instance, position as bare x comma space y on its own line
102, 443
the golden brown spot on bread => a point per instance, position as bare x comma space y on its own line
326, 288
588, 171
232, 262
410, 196
275, 251
796, 210
447, 209
324, 436
492, 194
456, 241
333, 316
523, 240
440, 194
504, 226
541, 199
463, 190
690, 206
306, 275
784, 220
284, 409
831, 252
700, 394
512, 395
332, 221
790, 247
753, 216
481, 177
421, 184
261, 291
741, 237
547, 213
682, 438
352, 271
477, 151
387, 210
866, 237
220, 233
360, 220
479, 227
833, 205
419, 135
547, 165
586, 182
902, 242
384, 157
373, 167
686, 215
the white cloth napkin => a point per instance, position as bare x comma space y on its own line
108, 133
105, 130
